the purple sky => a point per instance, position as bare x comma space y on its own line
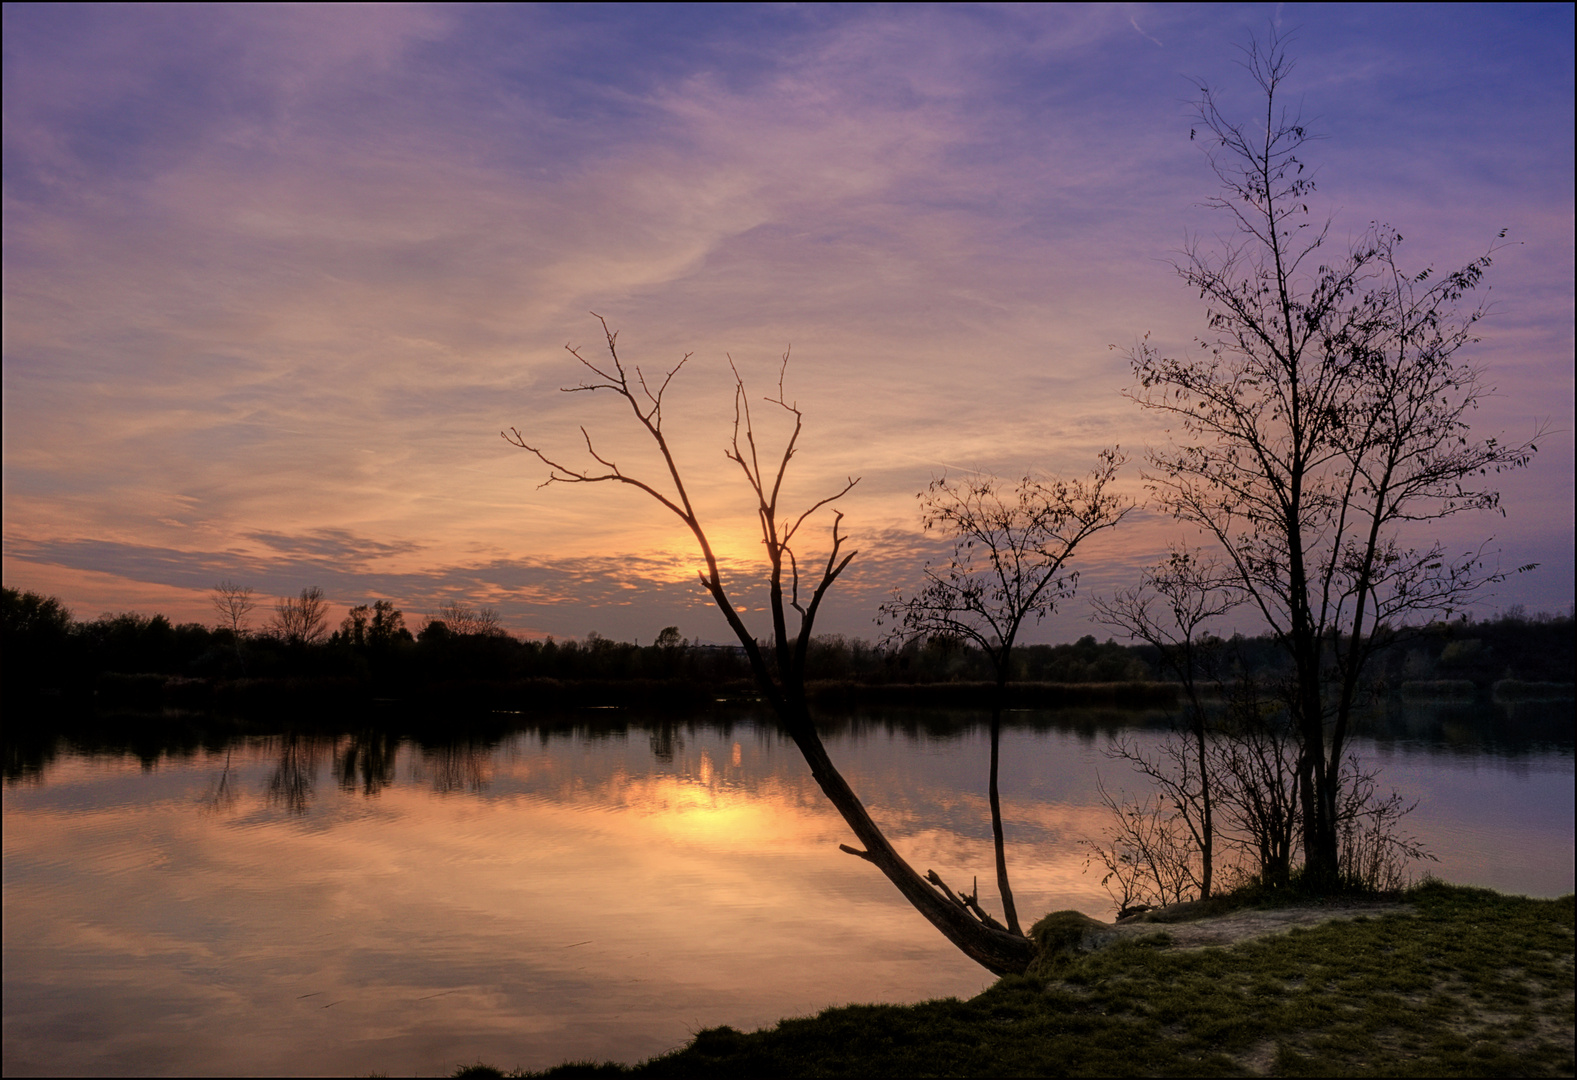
276, 277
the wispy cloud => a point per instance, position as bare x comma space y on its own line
1133, 22
275, 279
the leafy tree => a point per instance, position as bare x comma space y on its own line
1324, 411
35, 639
376, 627
32, 615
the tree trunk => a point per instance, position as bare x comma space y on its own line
998, 951
1315, 784
1322, 856
1207, 841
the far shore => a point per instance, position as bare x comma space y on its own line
542, 695
325, 695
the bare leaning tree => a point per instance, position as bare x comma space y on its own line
1322, 417
1009, 567
778, 665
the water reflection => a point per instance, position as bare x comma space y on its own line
664, 740
461, 766
350, 903
366, 759
222, 791
1504, 729
295, 773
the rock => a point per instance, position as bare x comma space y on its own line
1186, 911
1065, 933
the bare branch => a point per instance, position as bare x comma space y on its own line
1010, 551
781, 680
1324, 409
234, 604
969, 902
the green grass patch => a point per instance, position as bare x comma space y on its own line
1468, 983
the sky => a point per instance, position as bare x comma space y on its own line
277, 277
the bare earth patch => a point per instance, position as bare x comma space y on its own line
1242, 925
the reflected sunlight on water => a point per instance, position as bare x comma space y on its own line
311, 905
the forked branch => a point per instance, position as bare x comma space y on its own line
782, 684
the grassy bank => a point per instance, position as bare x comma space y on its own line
1460, 982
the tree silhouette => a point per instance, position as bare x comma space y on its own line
300, 620
1190, 590
1008, 567
377, 626
779, 663
462, 619
234, 605
1324, 411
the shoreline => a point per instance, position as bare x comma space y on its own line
1443, 980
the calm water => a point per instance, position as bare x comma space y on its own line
343, 906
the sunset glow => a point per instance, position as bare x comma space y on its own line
277, 277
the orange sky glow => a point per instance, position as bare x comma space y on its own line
276, 278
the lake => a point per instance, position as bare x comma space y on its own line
600, 888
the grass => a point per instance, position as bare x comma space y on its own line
1469, 983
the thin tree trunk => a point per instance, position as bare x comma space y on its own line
1009, 911
1207, 839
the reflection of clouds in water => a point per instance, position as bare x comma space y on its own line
699, 891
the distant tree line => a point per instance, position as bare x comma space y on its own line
44, 648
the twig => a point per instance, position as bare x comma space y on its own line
970, 902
